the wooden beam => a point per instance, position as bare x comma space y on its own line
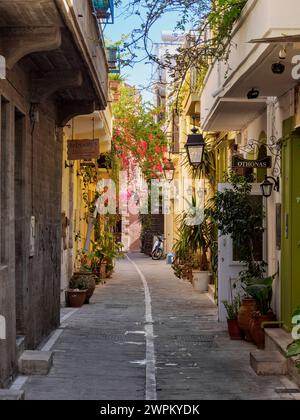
42, 87
71, 109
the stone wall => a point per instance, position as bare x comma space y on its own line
31, 186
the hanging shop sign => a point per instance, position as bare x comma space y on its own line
83, 149
239, 162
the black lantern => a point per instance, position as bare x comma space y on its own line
169, 170
195, 147
267, 186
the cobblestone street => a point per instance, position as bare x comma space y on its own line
102, 352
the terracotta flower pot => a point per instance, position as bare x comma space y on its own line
91, 279
234, 330
256, 331
75, 298
247, 308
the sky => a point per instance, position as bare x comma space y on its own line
140, 74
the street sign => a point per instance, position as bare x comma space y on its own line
83, 149
239, 162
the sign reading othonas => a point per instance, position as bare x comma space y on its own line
83, 149
239, 162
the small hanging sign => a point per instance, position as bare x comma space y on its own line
83, 149
239, 162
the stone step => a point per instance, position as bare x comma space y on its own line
268, 362
20, 345
35, 362
9, 395
277, 339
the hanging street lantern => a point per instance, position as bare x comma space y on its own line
169, 170
267, 186
195, 147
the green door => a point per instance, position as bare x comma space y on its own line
290, 264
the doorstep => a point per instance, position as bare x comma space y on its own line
268, 362
277, 339
9, 395
35, 362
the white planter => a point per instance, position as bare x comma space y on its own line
201, 280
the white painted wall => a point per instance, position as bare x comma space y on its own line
260, 18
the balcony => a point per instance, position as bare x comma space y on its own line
224, 103
61, 45
104, 10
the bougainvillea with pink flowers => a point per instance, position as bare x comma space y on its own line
138, 138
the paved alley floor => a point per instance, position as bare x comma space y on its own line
103, 353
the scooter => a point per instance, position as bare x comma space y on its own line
158, 248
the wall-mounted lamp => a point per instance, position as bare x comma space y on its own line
169, 170
267, 186
195, 146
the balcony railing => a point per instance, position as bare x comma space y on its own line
104, 10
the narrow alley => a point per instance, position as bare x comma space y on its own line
102, 355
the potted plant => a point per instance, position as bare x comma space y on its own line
192, 247
104, 252
247, 308
199, 238
91, 280
76, 294
182, 266
261, 291
201, 273
232, 310
236, 214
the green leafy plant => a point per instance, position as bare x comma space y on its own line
238, 215
261, 290
212, 21
232, 308
194, 241
105, 250
79, 283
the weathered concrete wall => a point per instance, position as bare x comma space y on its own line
30, 285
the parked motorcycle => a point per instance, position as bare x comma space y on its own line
158, 248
